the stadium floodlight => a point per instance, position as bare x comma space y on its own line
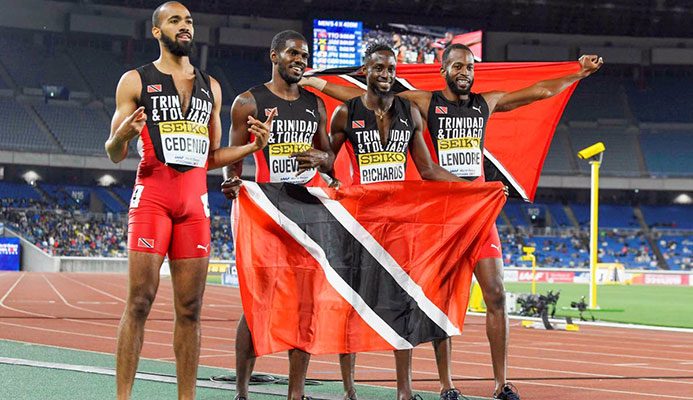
591, 151
31, 177
596, 149
529, 256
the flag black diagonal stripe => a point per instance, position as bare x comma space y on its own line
354, 263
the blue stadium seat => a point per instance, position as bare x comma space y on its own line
667, 153
19, 132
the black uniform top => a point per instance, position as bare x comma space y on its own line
457, 132
181, 142
373, 161
293, 129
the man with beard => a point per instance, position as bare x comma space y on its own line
456, 119
379, 128
174, 107
298, 148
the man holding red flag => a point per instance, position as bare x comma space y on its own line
297, 149
456, 120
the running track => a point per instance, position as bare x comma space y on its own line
82, 311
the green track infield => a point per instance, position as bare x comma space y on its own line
670, 306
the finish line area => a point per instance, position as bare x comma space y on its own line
58, 334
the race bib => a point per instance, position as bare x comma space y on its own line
461, 156
383, 166
184, 142
284, 168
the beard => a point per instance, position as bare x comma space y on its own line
177, 49
380, 92
452, 85
284, 73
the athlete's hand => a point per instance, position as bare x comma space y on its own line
313, 82
231, 186
309, 159
132, 125
261, 130
506, 191
590, 64
335, 184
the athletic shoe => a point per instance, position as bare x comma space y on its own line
304, 397
452, 394
508, 392
416, 397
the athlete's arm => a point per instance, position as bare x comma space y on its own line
506, 101
339, 92
321, 156
128, 120
244, 106
422, 158
421, 99
235, 153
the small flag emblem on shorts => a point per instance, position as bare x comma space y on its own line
268, 111
441, 110
358, 124
148, 243
154, 88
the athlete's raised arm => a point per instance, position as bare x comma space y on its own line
506, 101
221, 157
339, 92
128, 120
422, 158
321, 156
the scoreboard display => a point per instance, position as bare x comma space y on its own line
337, 43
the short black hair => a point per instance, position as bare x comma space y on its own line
279, 40
376, 47
157, 12
456, 46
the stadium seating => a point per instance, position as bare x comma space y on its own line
101, 69
558, 160
669, 217
599, 97
80, 130
622, 149
516, 214
19, 132
667, 153
671, 95
677, 251
18, 194
32, 66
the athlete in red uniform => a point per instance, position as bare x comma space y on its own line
298, 148
174, 108
458, 72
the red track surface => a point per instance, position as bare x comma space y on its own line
81, 311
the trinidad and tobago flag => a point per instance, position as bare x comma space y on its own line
365, 268
516, 143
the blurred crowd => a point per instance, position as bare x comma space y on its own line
410, 48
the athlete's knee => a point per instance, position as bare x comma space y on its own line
189, 309
139, 305
494, 296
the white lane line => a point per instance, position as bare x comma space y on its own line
2, 301
67, 303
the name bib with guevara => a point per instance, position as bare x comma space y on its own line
180, 141
293, 130
373, 161
457, 132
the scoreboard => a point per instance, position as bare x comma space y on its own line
337, 43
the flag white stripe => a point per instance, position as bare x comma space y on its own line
385, 259
507, 174
353, 80
343, 288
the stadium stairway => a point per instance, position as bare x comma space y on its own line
118, 198
571, 216
5, 77
640, 217
43, 126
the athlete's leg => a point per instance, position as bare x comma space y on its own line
489, 274
442, 349
143, 282
347, 362
298, 368
403, 367
245, 358
188, 277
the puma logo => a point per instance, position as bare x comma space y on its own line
405, 122
477, 108
205, 248
206, 92
495, 247
311, 112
